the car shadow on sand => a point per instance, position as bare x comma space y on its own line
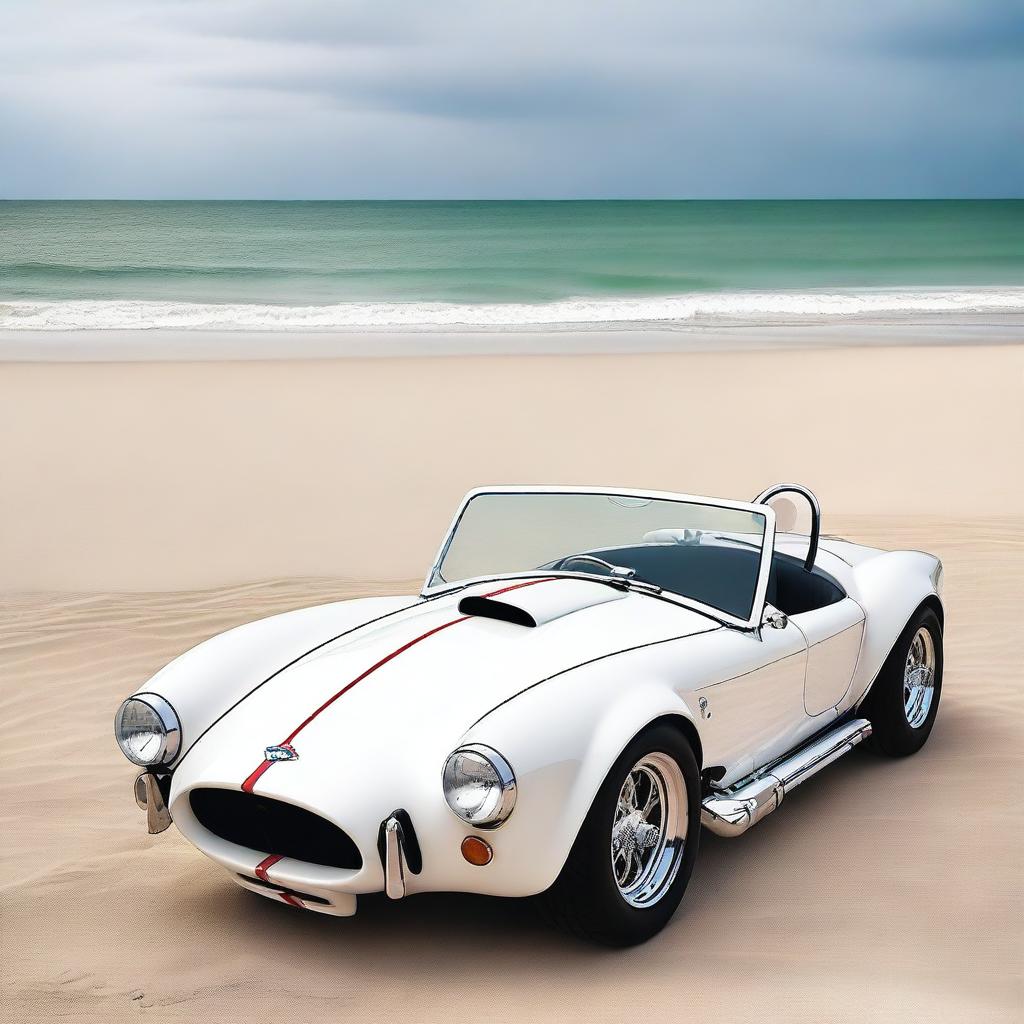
431, 931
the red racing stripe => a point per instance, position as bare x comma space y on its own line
261, 873
252, 779
265, 865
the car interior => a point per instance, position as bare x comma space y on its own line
720, 575
793, 589
721, 571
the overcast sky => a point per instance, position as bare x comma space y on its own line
510, 98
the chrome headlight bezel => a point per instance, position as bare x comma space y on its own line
170, 730
503, 787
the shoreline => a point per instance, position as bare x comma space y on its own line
622, 338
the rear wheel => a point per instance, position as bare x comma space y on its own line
634, 855
904, 699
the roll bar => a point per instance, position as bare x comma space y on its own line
776, 489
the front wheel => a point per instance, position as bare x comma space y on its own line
634, 855
904, 699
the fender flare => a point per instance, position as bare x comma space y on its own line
891, 589
931, 601
562, 759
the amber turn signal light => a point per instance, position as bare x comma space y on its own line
477, 851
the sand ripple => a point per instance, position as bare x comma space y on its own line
884, 891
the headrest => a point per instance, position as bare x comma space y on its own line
672, 537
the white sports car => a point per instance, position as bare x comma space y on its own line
587, 677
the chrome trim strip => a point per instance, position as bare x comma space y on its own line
731, 812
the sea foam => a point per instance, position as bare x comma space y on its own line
709, 308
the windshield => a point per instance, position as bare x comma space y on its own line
705, 552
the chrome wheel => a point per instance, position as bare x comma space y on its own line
649, 830
919, 679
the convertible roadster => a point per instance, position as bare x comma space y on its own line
588, 676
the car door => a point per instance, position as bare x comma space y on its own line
833, 635
752, 706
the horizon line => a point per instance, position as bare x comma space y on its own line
518, 199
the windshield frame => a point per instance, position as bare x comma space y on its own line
431, 589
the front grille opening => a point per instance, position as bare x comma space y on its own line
306, 897
274, 827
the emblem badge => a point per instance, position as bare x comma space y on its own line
705, 711
281, 752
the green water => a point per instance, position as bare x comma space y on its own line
508, 253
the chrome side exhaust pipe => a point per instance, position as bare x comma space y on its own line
732, 811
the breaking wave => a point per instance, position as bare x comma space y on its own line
708, 308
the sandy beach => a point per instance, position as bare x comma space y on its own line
646, 337
150, 476
281, 283
150, 505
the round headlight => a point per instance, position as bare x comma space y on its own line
479, 785
147, 730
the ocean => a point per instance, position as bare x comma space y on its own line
337, 265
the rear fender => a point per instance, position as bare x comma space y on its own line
890, 589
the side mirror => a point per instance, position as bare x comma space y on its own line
776, 619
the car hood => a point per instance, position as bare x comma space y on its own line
408, 688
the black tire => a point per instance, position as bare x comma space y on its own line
586, 900
885, 707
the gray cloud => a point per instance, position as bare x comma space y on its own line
310, 21
986, 30
453, 93
321, 98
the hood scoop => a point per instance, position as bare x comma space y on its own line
535, 605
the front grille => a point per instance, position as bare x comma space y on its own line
273, 827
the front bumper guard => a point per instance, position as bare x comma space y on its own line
150, 797
399, 852
394, 867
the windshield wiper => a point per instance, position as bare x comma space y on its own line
618, 575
